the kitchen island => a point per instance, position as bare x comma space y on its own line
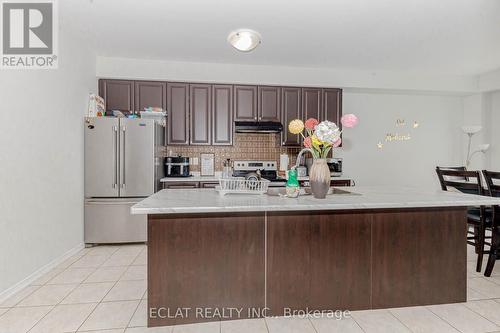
243, 256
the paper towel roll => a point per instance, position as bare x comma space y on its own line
284, 162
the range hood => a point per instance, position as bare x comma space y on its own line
257, 127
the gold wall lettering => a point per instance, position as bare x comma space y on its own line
390, 137
397, 137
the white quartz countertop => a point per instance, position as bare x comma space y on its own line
172, 201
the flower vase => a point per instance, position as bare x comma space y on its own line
319, 178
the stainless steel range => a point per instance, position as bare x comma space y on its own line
267, 169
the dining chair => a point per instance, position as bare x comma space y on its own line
478, 218
493, 189
455, 168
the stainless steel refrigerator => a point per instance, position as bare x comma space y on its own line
122, 167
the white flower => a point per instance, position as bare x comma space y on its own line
327, 132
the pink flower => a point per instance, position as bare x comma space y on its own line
349, 120
337, 143
308, 142
311, 123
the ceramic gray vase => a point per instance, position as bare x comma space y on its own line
319, 178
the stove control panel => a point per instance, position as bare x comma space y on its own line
254, 165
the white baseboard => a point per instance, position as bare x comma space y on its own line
37, 274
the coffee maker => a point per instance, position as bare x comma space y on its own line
177, 166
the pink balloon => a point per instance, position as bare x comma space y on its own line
349, 120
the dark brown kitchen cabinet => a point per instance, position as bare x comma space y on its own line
341, 182
200, 104
291, 108
117, 94
178, 113
222, 115
332, 105
312, 106
150, 94
180, 185
269, 100
209, 184
245, 103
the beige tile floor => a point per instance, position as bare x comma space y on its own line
103, 290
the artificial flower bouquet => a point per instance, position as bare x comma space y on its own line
321, 137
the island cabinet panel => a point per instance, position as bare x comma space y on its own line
205, 261
222, 115
418, 257
245, 103
291, 109
178, 113
150, 94
312, 103
200, 114
269, 103
318, 261
117, 94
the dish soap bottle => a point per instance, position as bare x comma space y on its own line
292, 184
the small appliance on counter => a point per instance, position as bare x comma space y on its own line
334, 164
177, 166
301, 171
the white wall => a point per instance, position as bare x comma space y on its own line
41, 160
435, 142
493, 121
109, 67
489, 81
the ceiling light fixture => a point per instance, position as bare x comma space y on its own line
244, 40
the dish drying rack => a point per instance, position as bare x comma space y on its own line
242, 186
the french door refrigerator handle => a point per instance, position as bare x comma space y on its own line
122, 157
115, 159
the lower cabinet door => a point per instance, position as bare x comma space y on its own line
209, 184
110, 221
180, 185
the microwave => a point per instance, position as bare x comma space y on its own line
335, 166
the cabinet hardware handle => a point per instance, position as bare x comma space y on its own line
123, 157
115, 164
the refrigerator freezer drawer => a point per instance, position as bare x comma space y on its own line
110, 221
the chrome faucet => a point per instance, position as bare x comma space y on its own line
297, 163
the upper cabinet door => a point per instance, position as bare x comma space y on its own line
269, 103
200, 105
291, 109
312, 105
150, 94
245, 103
332, 105
178, 113
222, 115
117, 94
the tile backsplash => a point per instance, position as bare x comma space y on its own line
245, 147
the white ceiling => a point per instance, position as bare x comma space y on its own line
431, 36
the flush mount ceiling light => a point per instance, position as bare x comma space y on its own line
244, 40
